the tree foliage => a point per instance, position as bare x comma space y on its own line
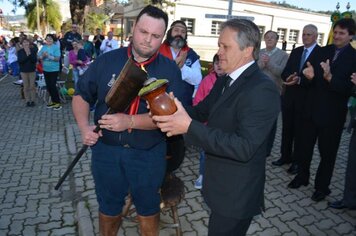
165, 5
93, 21
49, 15
287, 5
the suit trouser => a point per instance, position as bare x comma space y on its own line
226, 226
291, 133
328, 143
350, 178
271, 138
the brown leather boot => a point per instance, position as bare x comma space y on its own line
109, 225
149, 225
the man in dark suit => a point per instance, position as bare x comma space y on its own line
326, 107
240, 111
293, 97
349, 197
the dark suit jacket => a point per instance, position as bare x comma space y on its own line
295, 95
234, 140
326, 102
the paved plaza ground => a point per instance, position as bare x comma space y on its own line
37, 144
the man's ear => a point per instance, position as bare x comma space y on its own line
248, 51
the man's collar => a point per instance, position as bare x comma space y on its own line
310, 48
236, 73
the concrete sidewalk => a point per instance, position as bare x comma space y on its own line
37, 144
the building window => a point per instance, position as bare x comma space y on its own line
215, 27
262, 30
190, 24
293, 35
282, 33
320, 39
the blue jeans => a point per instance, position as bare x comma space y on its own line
75, 73
15, 68
118, 171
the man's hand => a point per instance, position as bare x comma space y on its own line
180, 60
89, 137
115, 122
326, 68
353, 78
292, 79
308, 72
264, 59
175, 124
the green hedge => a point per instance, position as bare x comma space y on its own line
205, 66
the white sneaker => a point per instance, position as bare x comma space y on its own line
18, 82
199, 182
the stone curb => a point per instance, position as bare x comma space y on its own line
70, 138
85, 226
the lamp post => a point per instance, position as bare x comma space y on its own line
229, 11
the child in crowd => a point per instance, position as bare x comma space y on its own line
12, 58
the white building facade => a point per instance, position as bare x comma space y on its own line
204, 17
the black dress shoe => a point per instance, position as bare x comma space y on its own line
337, 204
297, 182
280, 162
293, 169
319, 195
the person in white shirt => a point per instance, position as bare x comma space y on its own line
176, 48
109, 43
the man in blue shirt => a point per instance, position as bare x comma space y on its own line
129, 152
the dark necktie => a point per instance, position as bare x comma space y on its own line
302, 60
337, 51
228, 80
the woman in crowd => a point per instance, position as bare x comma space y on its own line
50, 56
27, 58
77, 58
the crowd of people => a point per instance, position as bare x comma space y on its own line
27, 57
233, 119
231, 114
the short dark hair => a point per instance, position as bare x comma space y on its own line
154, 12
52, 36
346, 23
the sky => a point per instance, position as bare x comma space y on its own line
7, 7
318, 5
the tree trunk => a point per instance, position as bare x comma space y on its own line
77, 11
